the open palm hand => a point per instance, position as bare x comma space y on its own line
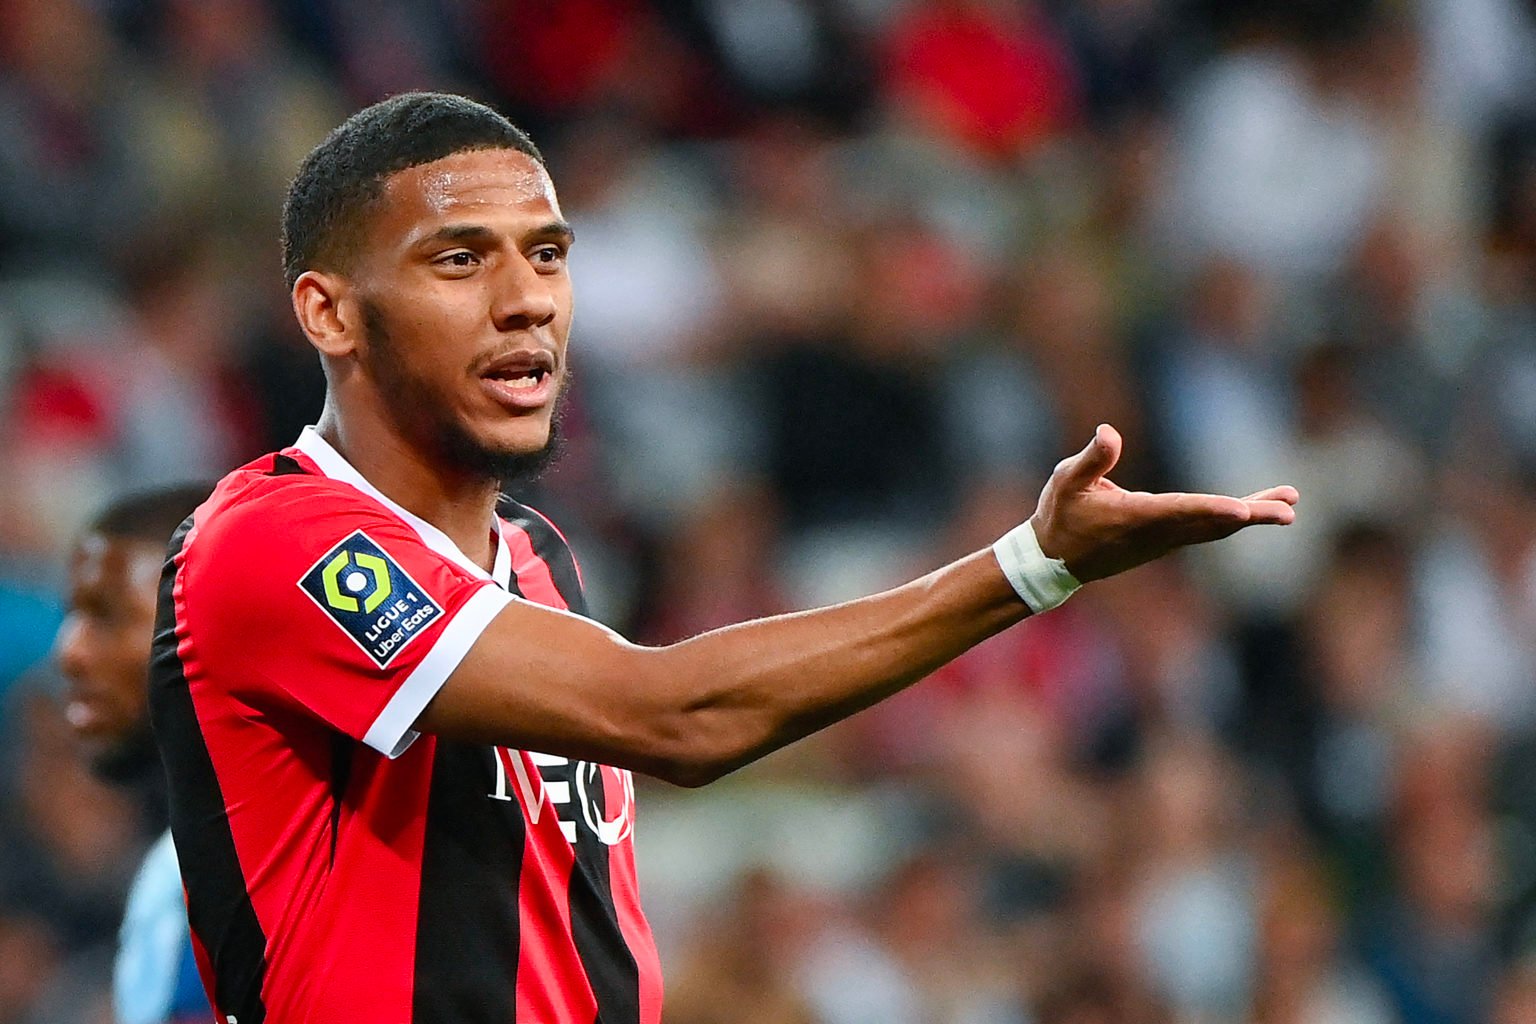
1099, 528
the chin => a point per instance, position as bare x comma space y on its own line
509, 454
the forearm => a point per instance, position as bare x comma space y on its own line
689, 712
546, 680
745, 690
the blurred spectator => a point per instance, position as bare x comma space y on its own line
742, 965
853, 274
1476, 592
69, 181
226, 115
1430, 946
923, 959
1306, 973
1196, 921
1515, 1000
185, 343
992, 76
1278, 165
1230, 421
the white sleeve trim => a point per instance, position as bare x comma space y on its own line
391, 733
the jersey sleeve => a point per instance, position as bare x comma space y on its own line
332, 606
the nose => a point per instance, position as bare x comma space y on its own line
72, 648
524, 297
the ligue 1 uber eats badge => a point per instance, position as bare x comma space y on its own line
370, 597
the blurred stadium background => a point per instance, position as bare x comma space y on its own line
852, 274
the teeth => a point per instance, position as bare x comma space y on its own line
523, 383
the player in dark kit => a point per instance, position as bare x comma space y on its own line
103, 652
399, 753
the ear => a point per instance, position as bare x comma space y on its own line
324, 308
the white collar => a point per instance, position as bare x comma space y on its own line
334, 465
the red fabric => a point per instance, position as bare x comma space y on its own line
248, 590
533, 576
273, 680
551, 984
557, 54
998, 83
637, 931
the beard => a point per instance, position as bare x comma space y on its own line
423, 418
128, 759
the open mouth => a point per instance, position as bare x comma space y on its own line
521, 380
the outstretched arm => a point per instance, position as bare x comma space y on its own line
690, 712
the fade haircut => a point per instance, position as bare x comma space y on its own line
150, 516
339, 181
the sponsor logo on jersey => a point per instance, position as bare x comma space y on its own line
372, 599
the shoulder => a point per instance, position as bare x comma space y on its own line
159, 877
267, 536
276, 515
153, 937
271, 498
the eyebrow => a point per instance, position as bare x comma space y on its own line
555, 230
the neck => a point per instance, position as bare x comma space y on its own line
460, 504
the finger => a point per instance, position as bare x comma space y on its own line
1088, 466
1218, 510
1271, 512
1285, 493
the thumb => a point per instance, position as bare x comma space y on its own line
1090, 465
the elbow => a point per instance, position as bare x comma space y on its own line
697, 730
698, 748
690, 774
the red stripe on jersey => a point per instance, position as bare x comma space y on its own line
380, 836
551, 982
532, 572
616, 863
637, 931
339, 955
580, 579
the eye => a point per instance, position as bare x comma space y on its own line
458, 259
551, 256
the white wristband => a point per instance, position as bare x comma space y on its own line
1042, 581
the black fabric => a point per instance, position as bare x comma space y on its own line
609, 964
595, 927
220, 911
285, 465
467, 934
552, 548
343, 749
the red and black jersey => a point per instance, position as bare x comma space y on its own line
338, 866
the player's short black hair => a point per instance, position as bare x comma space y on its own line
343, 175
149, 515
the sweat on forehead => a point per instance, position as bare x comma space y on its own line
461, 179
338, 182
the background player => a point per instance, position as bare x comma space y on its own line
347, 685
103, 652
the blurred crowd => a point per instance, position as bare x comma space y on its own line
851, 276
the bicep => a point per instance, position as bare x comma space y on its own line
542, 679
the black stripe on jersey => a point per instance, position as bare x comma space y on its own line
610, 966
286, 465
605, 955
467, 938
551, 547
343, 748
219, 905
